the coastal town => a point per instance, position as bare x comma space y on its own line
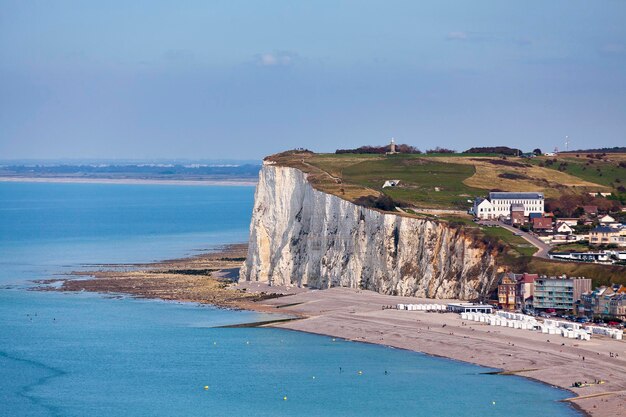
597, 237
593, 236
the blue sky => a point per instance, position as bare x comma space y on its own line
243, 79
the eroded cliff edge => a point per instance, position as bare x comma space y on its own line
302, 236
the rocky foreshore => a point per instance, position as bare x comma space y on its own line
205, 279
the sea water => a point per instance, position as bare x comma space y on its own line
83, 354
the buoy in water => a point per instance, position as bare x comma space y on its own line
285, 398
360, 372
206, 387
493, 402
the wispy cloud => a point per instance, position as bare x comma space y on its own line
474, 37
178, 55
614, 48
277, 58
457, 36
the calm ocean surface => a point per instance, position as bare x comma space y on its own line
92, 355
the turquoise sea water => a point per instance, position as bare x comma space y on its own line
93, 355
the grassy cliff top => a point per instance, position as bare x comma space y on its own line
448, 181
459, 178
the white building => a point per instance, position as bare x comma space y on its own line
499, 204
607, 220
570, 221
483, 209
470, 308
564, 228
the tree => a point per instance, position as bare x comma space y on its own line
440, 150
504, 150
400, 148
538, 152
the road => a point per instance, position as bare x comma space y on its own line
544, 248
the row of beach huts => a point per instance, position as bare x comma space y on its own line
423, 307
524, 322
566, 329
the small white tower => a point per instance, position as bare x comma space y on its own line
392, 146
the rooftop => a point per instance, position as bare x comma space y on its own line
526, 277
604, 229
517, 196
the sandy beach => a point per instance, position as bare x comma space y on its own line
358, 315
81, 180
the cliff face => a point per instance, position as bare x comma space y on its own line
301, 236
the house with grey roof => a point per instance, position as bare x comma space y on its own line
499, 204
607, 235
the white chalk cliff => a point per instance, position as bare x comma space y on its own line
302, 236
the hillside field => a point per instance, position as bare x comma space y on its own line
441, 187
445, 181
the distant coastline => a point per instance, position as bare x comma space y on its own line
241, 182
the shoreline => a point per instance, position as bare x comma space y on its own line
132, 181
498, 372
357, 315
202, 278
512, 351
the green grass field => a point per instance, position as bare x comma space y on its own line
419, 178
465, 221
571, 247
600, 274
448, 181
516, 243
460, 155
600, 172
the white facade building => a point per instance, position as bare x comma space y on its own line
499, 204
483, 209
607, 221
564, 228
